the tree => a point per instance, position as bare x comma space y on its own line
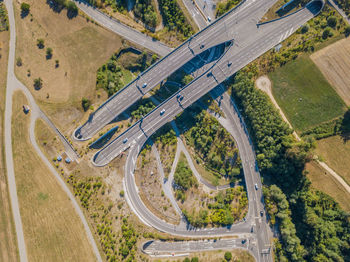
194, 259
85, 103
57, 63
19, 61
49, 53
304, 29
228, 256
72, 9
327, 32
25, 9
40, 43
347, 30
332, 21
38, 83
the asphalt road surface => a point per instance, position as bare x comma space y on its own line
123, 30
237, 56
234, 25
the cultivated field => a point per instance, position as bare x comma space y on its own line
325, 182
304, 95
336, 153
81, 48
52, 229
334, 63
8, 248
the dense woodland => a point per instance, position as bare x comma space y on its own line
145, 11
301, 213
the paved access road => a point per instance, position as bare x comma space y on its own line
125, 31
234, 25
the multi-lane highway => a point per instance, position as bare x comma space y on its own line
245, 48
234, 25
251, 46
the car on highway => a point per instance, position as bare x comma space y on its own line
162, 112
244, 240
125, 140
256, 186
179, 97
209, 19
144, 85
261, 213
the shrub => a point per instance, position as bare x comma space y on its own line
40, 43
85, 103
327, 32
228, 256
38, 83
25, 9
332, 21
49, 53
304, 29
72, 9
19, 61
347, 30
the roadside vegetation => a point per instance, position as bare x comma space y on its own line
146, 11
212, 145
174, 18
8, 246
4, 24
141, 108
165, 140
119, 70
148, 180
225, 6
282, 160
52, 229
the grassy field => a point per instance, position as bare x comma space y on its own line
334, 63
52, 230
323, 181
336, 153
81, 48
304, 94
8, 248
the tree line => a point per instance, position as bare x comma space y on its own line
312, 217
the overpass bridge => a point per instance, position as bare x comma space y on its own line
232, 26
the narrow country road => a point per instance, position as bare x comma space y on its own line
12, 85
123, 30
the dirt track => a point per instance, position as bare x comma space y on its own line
334, 63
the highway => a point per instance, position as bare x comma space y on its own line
237, 56
259, 40
234, 25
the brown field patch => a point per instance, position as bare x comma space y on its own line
334, 63
8, 247
81, 48
52, 229
325, 182
336, 153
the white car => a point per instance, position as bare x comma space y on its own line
144, 85
162, 112
256, 186
125, 140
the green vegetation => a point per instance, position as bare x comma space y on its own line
40, 43
25, 8
85, 103
72, 9
115, 74
141, 109
339, 126
304, 94
91, 193
223, 209
183, 178
212, 144
4, 24
228, 256
145, 11
174, 18
322, 227
49, 53
38, 83
225, 6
